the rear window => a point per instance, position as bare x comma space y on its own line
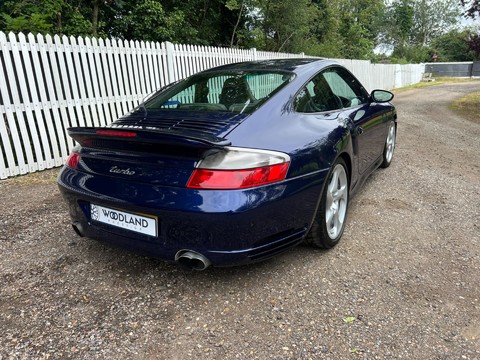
239, 92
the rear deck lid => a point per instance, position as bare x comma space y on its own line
154, 154
197, 123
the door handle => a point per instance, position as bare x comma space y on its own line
360, 130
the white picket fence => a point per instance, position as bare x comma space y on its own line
48, 84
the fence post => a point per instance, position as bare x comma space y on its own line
254, 54
170, 62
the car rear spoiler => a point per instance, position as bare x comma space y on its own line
108, 136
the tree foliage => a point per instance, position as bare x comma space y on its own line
454, 46
432, 18
329, 28
474, 45
42, 16
286, 24
353, 26
148, 20
472, 7
412, 27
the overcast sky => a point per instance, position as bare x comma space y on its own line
469, 22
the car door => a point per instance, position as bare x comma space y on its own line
367, 118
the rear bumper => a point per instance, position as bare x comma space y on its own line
229, 227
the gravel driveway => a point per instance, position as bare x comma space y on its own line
404, 283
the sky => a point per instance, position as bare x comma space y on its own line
469, 22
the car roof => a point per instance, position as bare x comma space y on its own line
292, 65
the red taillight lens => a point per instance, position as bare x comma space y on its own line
239, 168
237, 179
116, 133
72, 160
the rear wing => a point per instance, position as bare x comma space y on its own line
141, 139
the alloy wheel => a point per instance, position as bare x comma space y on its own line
336, 201
390, 142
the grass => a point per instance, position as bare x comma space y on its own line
438, 81
40, 177
468, 106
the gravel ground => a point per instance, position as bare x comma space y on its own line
402, 284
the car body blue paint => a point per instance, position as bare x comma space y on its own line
231, 227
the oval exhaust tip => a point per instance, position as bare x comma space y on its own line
192, 260
77, 227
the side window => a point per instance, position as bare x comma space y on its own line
317, 96
346, 87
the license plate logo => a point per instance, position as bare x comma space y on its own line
138, 223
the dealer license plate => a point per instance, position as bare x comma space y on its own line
138, 223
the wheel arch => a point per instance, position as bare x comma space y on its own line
311, 237
348, 161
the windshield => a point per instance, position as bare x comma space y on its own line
240, 91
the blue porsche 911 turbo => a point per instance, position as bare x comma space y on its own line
232, 165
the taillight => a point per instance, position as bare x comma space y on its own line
72, 160
237, 168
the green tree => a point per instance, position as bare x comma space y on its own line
31, 16
286, 25
212, 20
47, 16
412, 25
329, 28
240, 31
147, 20
433, 18
398, 25
359, 27
453, 46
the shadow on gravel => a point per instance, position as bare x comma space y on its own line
136, 269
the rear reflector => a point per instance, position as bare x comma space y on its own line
116, 133
239, 168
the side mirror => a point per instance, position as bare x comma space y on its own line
381, 96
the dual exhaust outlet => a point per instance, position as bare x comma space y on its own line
189, 259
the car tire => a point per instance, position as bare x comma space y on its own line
331, 216
390, 143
